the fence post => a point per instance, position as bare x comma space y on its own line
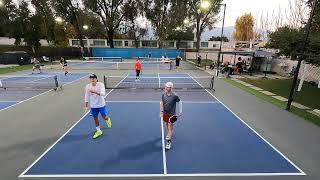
303, 75
205, 64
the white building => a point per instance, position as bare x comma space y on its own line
129, 43
10, 41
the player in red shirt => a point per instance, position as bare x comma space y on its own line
138, 68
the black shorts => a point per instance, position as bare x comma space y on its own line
36, 66
137, 72
177, 63
65, 65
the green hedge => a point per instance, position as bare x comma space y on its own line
51, 52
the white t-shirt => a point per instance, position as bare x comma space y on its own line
95, 100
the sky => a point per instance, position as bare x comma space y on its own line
236, 8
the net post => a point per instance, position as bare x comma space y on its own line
212, 83
105, 82
56, 82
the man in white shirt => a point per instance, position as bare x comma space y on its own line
94, 93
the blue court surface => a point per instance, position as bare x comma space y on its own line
126, 64
11, 97
208, 140
93, 65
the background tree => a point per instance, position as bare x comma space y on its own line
111, 14
7, 15
287, 40
203, 18
165, 16
157, 12
131, 27
62, 33
69, 10
179, 35
135, 31
44, 10
95, 29
316, 18
244, 28
313, 50
32, 34
21, 19
298, 13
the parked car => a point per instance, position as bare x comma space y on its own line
15, 57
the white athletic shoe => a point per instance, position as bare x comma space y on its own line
168, 145
167, 137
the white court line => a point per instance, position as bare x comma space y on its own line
8, 107
163, 175
15, 103
26, 100
40, 79
163, 148
301, 172
159, 80
22, 174
19, 102
189, 102
9, 101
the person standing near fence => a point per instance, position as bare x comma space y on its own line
199, 60
178, 59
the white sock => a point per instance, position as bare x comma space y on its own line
98, 128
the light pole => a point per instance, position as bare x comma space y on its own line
86, 27
302, 55
206, 5
221, 36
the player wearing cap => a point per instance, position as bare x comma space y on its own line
94, 93
168, 105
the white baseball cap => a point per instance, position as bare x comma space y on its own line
169, 84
